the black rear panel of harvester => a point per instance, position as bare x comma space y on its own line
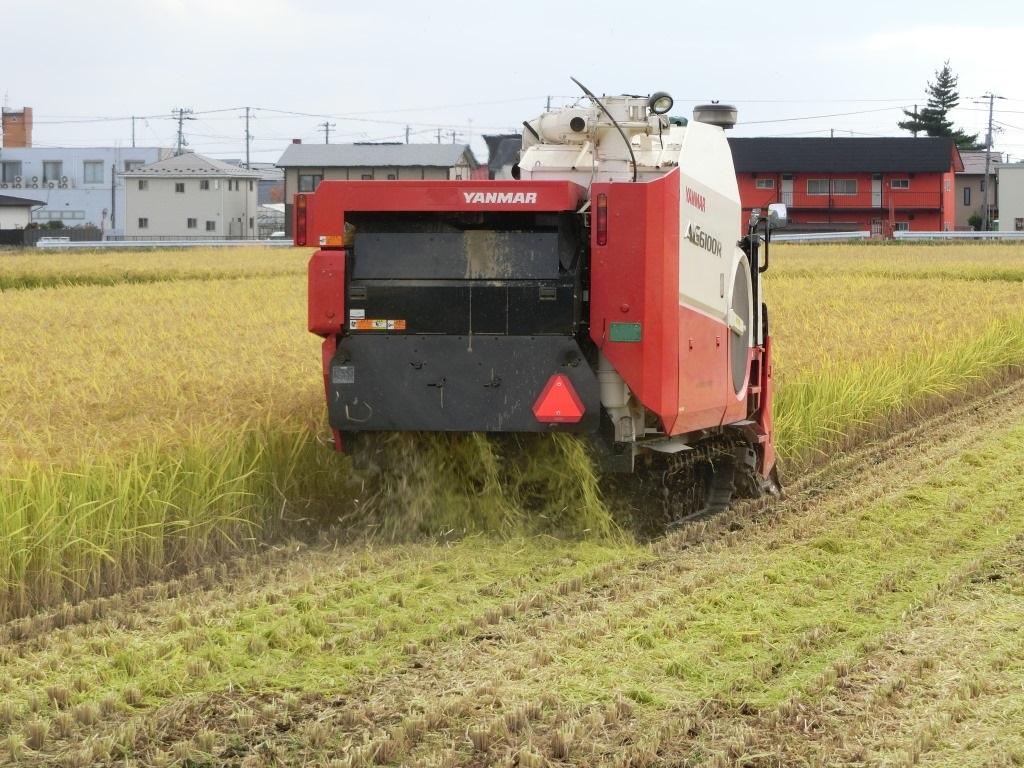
457, 321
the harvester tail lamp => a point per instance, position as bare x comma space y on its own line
602, 218
558, 402
300, 219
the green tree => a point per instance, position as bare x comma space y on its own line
933, 119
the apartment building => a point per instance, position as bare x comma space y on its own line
877, 184
191, 196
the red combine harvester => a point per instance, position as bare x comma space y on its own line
605, 290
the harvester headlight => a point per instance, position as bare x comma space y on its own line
660, 103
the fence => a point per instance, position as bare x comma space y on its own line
957, 235
58, 243
75, 234
819, 237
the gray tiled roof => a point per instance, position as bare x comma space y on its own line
15, 200
974, 161
191, 164
894, 154
375, 155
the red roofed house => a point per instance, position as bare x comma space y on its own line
839, 184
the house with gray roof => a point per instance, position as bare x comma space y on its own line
971, 187
306, 165
503, 153
190, 196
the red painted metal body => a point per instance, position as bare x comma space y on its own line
679, 368
326, 208
634, 278
326, 298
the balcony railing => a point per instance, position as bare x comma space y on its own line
898, 199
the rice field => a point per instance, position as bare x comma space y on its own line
165, 408
163, 451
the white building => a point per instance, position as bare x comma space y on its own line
15, 212
78, 185
1011, 197
189, 195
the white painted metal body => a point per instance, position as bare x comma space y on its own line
709, 195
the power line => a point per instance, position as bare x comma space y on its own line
818, 117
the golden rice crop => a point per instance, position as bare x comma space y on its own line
895, 260
36, 269
851, 349
149, 427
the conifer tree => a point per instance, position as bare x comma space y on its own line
933, 119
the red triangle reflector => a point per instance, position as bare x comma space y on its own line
558, 402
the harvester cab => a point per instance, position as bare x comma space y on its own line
605, 290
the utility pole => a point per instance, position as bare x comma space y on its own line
248, 138
326, 127
182, 114
438, 135
988, 162
547, 108
454, 134
991, 98
915, 121
133, 130
407, 134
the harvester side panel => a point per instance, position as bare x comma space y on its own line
634, 300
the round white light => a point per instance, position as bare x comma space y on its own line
660, 103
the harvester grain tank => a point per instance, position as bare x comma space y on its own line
610, 289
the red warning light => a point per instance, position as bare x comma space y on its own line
558, 402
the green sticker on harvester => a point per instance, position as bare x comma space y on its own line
625, 332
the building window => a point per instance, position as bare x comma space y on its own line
967, 195
308, 182
899, 183
53, 170
391, 177
1018, 224
131, 165
192, 223
251, 222
10, 170
204, 184
817, 186
143, 223
179, 187
211, 226
765, 184
143, 185
367, 177
250, 185
844, 186
92, 172
901, 226
458, 177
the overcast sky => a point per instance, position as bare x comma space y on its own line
475, 68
